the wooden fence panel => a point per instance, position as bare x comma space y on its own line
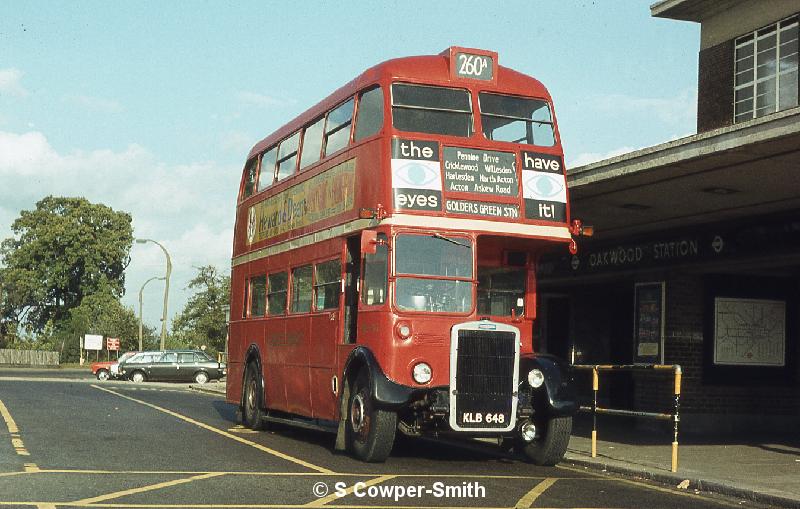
28, 358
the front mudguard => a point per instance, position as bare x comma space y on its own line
556, 396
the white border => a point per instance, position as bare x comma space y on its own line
453, 364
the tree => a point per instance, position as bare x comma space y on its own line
203, 319
62, 251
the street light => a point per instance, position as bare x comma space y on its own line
140, 308
166, 288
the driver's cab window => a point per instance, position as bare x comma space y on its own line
376, 274
501, 290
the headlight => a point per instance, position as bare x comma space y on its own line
535, 378
422, 373
403, 330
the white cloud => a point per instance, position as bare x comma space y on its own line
11, 83
189, 208
592, 157
97, 104
237, 142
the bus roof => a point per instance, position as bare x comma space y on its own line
424, 69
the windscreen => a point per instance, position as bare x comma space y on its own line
433, 110
434, 273
516, 119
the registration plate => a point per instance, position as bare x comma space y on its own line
484, 418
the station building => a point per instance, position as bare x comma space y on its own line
696, 256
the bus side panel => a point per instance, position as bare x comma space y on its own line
274, 334
233, 389
295, 365
324, 328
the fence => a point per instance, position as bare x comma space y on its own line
674, 416
28, 358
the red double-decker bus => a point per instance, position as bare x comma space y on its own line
384, 261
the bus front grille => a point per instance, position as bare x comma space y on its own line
484, 382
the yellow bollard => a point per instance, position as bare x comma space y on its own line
594, 444
674, 456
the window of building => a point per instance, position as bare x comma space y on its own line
327, 285
267, 175
258, 295
276, 297
516, 119
312, 143
370, 113
376, 272
433, 110
766, 76
250, 177
337, 129
501, 290
301, 289
287, 156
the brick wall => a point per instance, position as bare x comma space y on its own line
708, 406
715, 87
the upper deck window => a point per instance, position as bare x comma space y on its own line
312, 143
267, 174
287, 156
370, 113
433, 110
337, 129
516, 119
250, 177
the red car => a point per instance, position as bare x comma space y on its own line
103, 371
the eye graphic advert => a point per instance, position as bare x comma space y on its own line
544, 187
416, 175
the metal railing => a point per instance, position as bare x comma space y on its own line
595, 409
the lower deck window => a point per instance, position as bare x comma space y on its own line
301, 289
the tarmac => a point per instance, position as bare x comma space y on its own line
761, 469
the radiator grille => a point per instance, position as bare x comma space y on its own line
484, 378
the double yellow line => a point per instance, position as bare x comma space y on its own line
13, 430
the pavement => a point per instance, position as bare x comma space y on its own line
763, 469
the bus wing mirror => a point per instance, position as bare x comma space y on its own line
369, 242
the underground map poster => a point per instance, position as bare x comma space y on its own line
648, 334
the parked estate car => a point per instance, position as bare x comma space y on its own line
172, 366
104, 370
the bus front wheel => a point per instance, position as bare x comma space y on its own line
550, 444
253, 398
370, 430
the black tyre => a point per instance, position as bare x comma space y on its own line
102, 375
549, 446
138, 377
201, 377
370, 430
253, 398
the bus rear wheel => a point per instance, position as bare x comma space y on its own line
550, 444
253, 398
370, 430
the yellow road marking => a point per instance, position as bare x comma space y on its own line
31, 467
592, 477
530, 497
13, 429
142, 489
334, 496
10, 424
205, 426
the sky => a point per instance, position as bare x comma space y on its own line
152, 107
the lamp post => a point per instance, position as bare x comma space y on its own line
140, 308
166, 288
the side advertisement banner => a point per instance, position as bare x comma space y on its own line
326, 195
